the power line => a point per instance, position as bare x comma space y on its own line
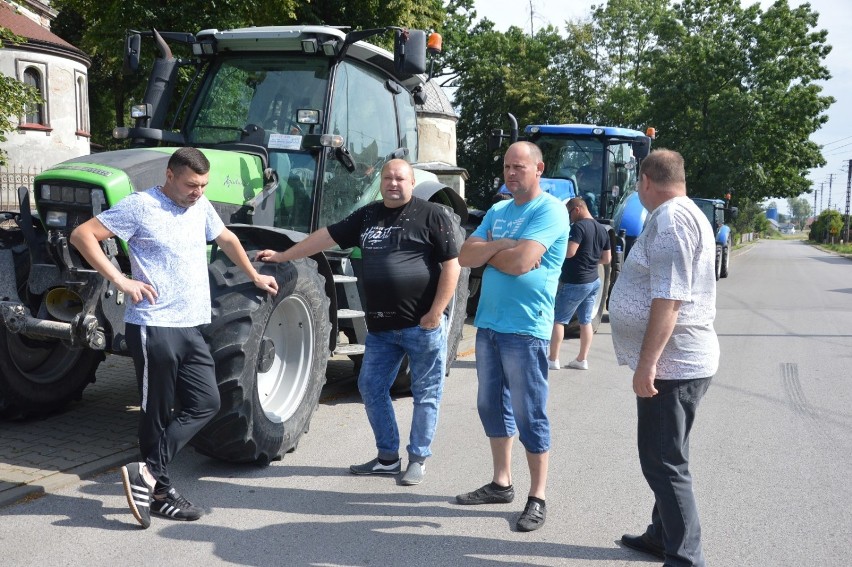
836, 141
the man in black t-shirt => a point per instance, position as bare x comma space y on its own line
410, 272
588, 246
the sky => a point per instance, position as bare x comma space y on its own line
834, 15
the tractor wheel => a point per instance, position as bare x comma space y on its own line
271, 354
726, 259
37, 376
718, 261
474, 287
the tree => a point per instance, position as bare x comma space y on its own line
720, 85
15, 96
800, 211
98, 28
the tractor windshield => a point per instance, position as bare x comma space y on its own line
578, 159
602, 170
255, 99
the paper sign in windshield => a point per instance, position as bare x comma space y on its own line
285, 142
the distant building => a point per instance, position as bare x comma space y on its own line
436, 124
58, 128
772, 214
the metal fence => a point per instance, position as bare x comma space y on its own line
12, 177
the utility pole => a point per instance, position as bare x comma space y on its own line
821, 194
532, 31
848, 195
830, 179
815, 209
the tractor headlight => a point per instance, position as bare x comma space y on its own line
57, 219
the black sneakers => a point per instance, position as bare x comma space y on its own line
487, 495
138, 492
532, 518
375, 467
176, 507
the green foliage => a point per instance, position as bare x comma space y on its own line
716, 79
800, 211
828, 227
15, 96
98, 28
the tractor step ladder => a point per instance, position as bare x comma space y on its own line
352, 316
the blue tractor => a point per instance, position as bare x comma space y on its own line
598, 163
630, 217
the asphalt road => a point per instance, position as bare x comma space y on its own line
771, 456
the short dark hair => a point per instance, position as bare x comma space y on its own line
191, 158
576, 202
664, 167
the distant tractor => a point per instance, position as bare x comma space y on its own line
630, 217
719, 213
598, 163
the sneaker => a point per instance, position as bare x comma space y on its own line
138, 492
579, 364
176, 507
532, 518
553, 364
487, 495
414, 474
375, 467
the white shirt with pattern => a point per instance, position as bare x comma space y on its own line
168, 249
674, 258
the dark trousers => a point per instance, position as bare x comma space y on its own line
177, 387
665, 421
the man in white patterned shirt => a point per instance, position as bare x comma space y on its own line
167, 229
661, 311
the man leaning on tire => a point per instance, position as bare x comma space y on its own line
167, 229
410, 274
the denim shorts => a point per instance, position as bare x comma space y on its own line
579, 298
512, 395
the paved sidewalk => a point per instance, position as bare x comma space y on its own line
90, 436
98, 433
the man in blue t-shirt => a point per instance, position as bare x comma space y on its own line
523, 242
588, 246
167, 229
410, 272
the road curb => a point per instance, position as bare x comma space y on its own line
61, 479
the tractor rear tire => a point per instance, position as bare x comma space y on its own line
38, 377
724, 270
271, 354
718, 261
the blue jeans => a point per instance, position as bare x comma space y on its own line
383, 355
665, 421
512, 395
579, 298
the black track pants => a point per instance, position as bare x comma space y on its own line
177, 386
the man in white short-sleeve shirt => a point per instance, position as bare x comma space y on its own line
661, 310
167, 229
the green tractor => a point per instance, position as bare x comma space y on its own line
297, 123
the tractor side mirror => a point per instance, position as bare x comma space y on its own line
132, 45
409, 51
642, 147
731, 213
495, 140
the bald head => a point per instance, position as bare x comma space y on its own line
662, 176
397, 186
523, 165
